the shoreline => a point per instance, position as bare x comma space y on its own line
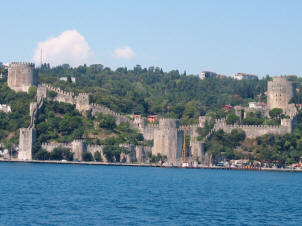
147, 165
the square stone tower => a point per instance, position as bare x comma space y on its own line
26, 140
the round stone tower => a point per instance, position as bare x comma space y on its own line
279, 93
168, 140
21, 76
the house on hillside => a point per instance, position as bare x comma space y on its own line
241, 76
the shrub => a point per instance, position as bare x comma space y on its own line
87, 156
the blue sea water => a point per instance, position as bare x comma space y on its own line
49, 194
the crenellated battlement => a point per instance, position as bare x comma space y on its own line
56, 144
58, 90
21, 64
168, 123
253, 131
189, 126
93, 146
26, 130
153, 126
100, 108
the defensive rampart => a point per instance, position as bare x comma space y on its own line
76, 146
81, 102
253, 131
96, 108
137, 153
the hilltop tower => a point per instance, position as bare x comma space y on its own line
21, 76
279, 93
168, 140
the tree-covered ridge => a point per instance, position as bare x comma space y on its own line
281, 150
148, 91
19, 115
61, 122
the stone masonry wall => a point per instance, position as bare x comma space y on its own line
253, 131
168, 140
77, 147
137, 153
81, 102
279, 93
26, 139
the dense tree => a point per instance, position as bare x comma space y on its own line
232, 119
97, 156
87, 156
61, 153
106, 121
275, 113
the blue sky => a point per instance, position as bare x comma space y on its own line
260, 37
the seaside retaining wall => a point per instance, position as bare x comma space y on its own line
137, 153
77, 147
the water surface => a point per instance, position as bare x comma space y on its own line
50, 194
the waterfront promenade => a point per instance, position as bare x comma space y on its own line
150, 165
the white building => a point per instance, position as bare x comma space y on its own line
241, 76
5, 108
257, 105
208, 74
73, 79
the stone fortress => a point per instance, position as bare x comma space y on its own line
21, 76
168, 136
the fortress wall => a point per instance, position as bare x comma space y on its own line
148, 132
50, 146
81, 101
26, 139
94, 148
197, 150
96, 108
41, 92
77, 147
253, 131
137, 152
190, 130
62, 96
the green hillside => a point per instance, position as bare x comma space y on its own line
148, 91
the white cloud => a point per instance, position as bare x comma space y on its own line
70, 47
124, 53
